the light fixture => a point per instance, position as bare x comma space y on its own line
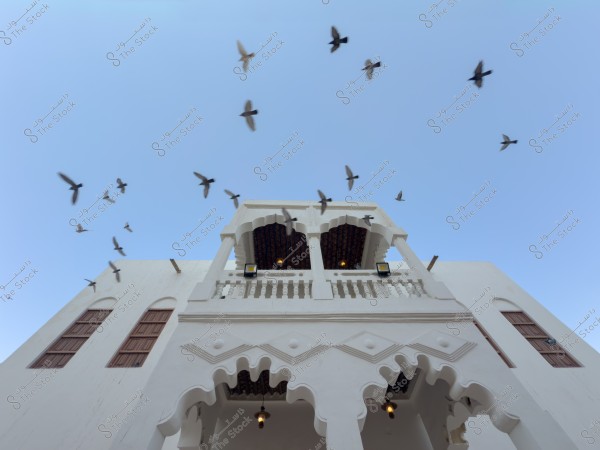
550, 341
250, 270
262, 415
343, 263
389, 407
383, 269
279, 263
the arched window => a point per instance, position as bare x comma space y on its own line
546, 346
142, 338
65, 347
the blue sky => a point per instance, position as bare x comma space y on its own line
112, 112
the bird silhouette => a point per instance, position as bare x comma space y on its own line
367, 219
246, 57
233, 197
74, 187
478, 75
205, 182
121, 185
118, 247
506, 142
248, 113
128, 228
115, 271
399, 197
288, 220
351, 178
107, 197
369, 66
80, 228
91, 284
336, 39
323, 201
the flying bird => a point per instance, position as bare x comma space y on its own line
399, 197
369, 66
107, 197
128, 228
478, 74
233, 197
121, 185
118, 247
288, 220
336, 39
506, 142
323, 201
80, 228
205, 182
74, 186
351, 178
115, 271
248, 113
91, 283
246, 57
367, 219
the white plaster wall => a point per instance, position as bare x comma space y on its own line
72, 402
571, 395
67, 405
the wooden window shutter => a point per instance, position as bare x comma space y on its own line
554, 354
494, 346
58, 354
140, 341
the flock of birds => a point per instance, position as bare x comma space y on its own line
323, 199
79, 228
248, 114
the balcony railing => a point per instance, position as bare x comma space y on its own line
364, 284
295, 284
285, 284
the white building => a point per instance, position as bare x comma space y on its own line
167, 360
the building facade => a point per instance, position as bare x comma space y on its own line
318, 348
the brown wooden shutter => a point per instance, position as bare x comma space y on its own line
554, 354
62, 350
137, 346
494, 346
